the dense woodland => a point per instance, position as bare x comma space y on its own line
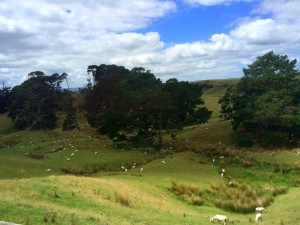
133, 107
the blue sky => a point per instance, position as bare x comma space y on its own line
189, 24
185, 39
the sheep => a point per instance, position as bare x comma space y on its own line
223, 170
48, 170
222, 174
142, 169
258, 217
219, 218
163, 162
260, 209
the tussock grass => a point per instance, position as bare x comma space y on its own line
234, 197
190, 194
122, 198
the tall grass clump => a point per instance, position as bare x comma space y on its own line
190, 194
235, 197
122, 199
243, 198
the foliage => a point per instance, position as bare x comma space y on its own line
35, 101
5, 98
266, 98
135, 106
70, 121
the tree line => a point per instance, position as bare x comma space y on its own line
134, 107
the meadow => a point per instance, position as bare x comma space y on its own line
78, 177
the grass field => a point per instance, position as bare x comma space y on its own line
180, 185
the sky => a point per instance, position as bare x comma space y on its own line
190, 40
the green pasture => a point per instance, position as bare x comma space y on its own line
39, 185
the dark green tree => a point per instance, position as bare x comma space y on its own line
5, 98
135, 106
266, 99
35, 101
70, 121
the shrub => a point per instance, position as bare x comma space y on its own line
241, 139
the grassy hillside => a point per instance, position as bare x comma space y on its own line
78, 177
212, 95
6, 125
32, 195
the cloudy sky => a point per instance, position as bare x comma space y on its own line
185, 39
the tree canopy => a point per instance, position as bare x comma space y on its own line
135, 106
5, 98
35, 101
266, 99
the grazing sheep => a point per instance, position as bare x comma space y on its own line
222, 174
142, 169
163, 162
219, 218
48, 170
260, 209
223, 170
258, 217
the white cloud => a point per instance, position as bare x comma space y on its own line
59, 36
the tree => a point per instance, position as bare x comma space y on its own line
134, 106
70, 122
5, 98
266, 99
35, 101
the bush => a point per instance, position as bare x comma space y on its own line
240, 139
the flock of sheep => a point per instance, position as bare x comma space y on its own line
223, 219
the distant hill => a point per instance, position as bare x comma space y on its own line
212, 95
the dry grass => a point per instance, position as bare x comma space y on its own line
122, 198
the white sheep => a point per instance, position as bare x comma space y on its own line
260, 209
219, 218
163, 162
258, 217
